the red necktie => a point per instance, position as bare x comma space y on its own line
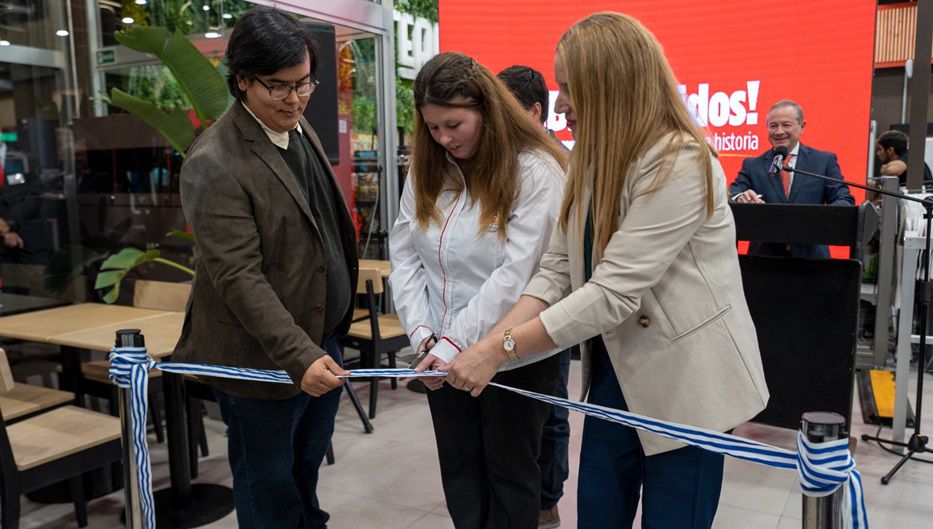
785, 176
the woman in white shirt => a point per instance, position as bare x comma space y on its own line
479, 206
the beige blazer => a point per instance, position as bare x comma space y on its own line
667, 298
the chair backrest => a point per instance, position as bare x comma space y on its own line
161, 295
372, 275
6, 375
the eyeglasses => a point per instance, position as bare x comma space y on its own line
279, 92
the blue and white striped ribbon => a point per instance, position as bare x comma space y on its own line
822, 467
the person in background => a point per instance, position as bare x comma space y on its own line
891, 151
757, 183
478, 207
276, 267
529, 88
642, 272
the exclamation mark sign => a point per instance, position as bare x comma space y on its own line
752, 117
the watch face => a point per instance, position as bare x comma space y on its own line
508, 344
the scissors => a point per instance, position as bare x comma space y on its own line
423, 352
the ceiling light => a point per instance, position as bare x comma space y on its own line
4, 43
206, 8
228, 16
62, 33
212, 35
127, 20
141, 2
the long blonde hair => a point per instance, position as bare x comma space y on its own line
492, 174
625, 99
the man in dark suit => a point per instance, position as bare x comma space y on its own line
758, 184
276, 268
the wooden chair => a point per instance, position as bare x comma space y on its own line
161, 295
377, 335
58, 445
22, 401
95, 380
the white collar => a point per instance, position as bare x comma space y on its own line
279, 139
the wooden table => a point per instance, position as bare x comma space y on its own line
93, 326
41, 325
161, 331
384, 267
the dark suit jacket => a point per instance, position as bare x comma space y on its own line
803, 190
260, 284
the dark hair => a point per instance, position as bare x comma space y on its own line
528, 86
265, 41
896, 139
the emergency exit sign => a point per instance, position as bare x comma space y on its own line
105, 57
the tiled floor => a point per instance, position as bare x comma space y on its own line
390, 479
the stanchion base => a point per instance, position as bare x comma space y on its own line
209, 503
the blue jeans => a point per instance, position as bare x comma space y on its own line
275, 449
681, 487
555, 441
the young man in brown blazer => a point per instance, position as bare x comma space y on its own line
276, 268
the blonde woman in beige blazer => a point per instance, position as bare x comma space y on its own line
659, 308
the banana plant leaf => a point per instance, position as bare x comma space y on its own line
203, 85
174, 126
115, 268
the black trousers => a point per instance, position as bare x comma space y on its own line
488, 449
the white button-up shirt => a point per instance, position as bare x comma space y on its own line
457, 281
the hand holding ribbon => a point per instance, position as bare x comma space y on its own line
473, 369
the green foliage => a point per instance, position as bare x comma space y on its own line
419, 8
174, 126
197, 78
157, 85
364, 113
195, 81
404, 105
188, 16
115, 268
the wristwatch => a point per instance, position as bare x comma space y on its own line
508, 344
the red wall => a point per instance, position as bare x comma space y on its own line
822, 57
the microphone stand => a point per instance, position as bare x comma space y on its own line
917, 442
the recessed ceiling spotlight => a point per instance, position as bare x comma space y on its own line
62, 33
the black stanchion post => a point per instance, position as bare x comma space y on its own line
825, 512
134, 512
